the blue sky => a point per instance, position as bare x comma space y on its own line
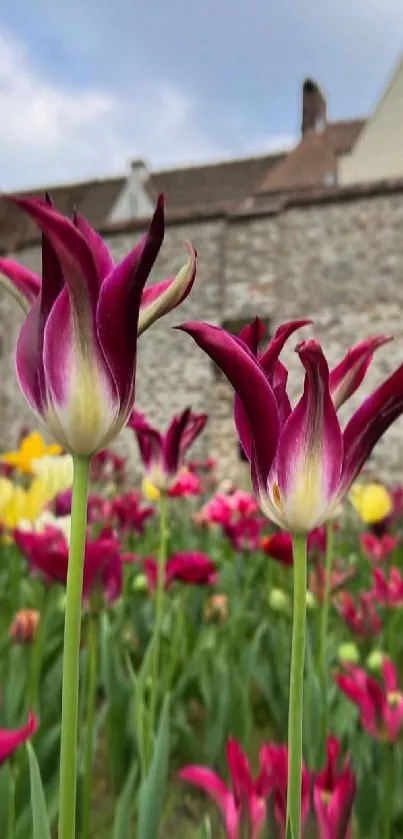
88, 84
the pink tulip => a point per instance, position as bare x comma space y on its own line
381, 707
242, 804
333, 795
10, 739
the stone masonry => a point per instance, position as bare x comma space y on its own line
338, 262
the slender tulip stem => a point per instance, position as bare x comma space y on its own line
388, 786
296, 690
37, 653
71, 654
11, 807
159, 610
324, 621
92, 675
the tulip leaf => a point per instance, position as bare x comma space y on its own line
152, 791
124, 807
40, 820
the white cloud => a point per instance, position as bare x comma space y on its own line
53, 133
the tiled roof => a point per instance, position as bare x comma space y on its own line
224, 183
313, 159
94, 199
203, 190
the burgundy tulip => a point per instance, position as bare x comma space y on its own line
361, 615
76, 352
193, 568
48, 555
377, 549
242, 804
381, 707
128, 513
302, 464
388, 588
163, 455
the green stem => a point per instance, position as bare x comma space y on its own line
324, 621
92, 675
388, 785
37, 653
177, 635
71, 655
296, 690
11, 807
159, 610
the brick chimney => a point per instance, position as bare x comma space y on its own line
313, 107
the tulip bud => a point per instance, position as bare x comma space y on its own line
140, 583
375, 660
216, 608
311, 601
348, 653
279, 601
24, 626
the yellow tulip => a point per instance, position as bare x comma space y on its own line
22, 504
55, 472
31, 448
372, 502
150, 491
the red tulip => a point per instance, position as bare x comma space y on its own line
243, 803
333, 795
381, 707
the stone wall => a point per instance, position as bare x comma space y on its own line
339, 263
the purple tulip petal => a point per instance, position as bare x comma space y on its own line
250, 383
26, 282
102, 256
253, 334
195, 426
349, 373
83, 403
119, 304
163, 297
29, 353
172, 442
71, 248
369, 423
310, 449
281, 335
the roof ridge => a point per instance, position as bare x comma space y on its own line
89, 183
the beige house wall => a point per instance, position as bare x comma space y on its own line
378, 152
